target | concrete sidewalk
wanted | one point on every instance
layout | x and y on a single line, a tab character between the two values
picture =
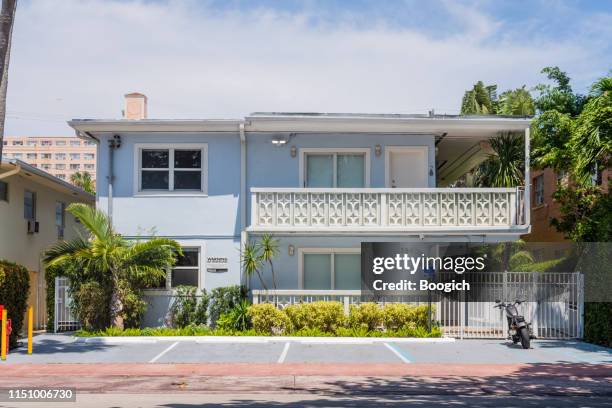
352	379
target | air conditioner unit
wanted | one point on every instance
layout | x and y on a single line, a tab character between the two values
32	226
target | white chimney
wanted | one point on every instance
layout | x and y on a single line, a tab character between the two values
135	106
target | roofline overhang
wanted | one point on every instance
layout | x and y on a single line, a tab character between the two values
348	123
59	183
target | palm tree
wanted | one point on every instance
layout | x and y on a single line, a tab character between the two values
105	252
505	167
7	17
251	262
517	102
269	250
480	100
84	181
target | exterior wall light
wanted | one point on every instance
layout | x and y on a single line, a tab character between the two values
378	150
279	141
293	151
291	250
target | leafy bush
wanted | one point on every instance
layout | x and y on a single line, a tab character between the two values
367	315
187	309
93	306
236	319
598	323
223	300
132	304
268	320
398	315
14	291
324	316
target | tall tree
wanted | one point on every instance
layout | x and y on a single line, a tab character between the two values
506	166
84	181
109	257
516	102
480	100
7	16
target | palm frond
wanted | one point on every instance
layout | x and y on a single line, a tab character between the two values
96	222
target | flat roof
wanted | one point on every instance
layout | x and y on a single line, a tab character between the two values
451	125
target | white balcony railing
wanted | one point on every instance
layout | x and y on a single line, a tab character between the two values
413	209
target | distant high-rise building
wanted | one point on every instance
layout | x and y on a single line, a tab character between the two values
59	156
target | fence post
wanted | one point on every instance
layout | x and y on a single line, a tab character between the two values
56	308
255	298
580	305
346	305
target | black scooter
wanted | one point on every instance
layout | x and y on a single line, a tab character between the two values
516	323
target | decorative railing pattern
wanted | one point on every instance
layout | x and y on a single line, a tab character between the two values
419	208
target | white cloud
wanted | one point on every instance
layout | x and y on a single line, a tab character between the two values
77	59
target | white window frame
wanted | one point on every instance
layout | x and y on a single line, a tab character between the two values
200	278
334	151
537	193
61	228
170	147
321	251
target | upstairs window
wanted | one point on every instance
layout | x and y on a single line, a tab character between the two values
17	142
75	156
538	183
60	156
31	156
75	143
335	169
60	143
176	169
88	156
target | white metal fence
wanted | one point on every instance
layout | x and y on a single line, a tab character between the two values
554	306
64	320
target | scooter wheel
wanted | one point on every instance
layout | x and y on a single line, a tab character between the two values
525	342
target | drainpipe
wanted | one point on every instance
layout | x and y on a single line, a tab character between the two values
113	144
10	173
243	195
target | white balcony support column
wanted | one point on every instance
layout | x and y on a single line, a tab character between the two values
527	198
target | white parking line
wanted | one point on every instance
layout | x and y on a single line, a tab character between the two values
160	355
283	355
397	353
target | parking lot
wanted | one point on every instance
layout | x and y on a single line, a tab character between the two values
68	349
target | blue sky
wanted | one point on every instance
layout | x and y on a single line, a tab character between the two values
228	58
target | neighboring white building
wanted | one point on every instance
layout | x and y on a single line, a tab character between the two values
32	217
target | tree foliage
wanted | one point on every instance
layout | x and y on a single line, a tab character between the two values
505	167
104	256
84	181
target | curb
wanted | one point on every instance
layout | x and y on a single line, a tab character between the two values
261	339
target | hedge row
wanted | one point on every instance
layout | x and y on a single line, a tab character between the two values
14	290
329	318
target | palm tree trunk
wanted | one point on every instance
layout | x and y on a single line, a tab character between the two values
6	31
116	305
273	274
263	283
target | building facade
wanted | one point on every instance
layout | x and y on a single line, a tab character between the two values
33	217
59	156
320	183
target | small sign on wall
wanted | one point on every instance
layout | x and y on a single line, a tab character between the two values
216	264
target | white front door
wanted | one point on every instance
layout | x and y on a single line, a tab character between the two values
407	167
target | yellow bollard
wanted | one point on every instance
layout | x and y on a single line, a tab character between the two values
3	342
30	328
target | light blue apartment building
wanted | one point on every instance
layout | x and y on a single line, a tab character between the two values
320	183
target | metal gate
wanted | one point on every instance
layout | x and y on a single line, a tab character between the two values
555	307
64	320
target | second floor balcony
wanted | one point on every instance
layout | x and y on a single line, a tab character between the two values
455	210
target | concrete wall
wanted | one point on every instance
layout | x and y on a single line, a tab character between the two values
16	245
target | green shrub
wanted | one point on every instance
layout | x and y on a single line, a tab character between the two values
366	315
236	319
598	323
132	306
14	291
93	306
189	309
268	320
355	331
398	315
325	316
223	300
